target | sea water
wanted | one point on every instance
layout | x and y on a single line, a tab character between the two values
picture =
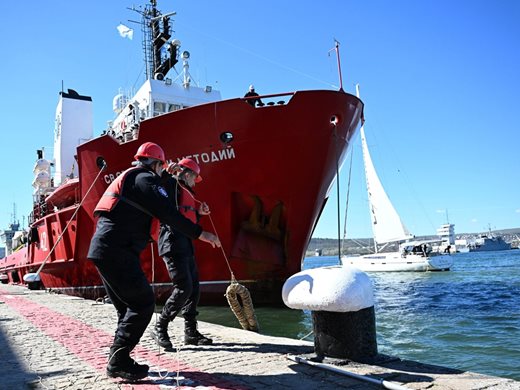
467	318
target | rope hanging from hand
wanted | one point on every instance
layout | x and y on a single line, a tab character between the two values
237	295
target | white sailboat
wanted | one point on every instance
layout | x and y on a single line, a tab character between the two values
387	228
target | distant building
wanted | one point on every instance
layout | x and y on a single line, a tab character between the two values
6	237
447	234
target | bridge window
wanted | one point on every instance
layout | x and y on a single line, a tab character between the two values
174	107
159	108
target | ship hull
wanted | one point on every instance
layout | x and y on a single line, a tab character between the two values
491	247
266	188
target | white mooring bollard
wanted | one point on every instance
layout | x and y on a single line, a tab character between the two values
342	303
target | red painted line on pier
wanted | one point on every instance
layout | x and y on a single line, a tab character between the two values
91	346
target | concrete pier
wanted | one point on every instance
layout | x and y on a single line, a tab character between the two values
50	341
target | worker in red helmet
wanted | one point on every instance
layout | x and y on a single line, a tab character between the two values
176	249
125	213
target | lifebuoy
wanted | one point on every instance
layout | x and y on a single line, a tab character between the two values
123	125
244	312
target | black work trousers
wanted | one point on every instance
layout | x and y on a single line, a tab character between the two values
131	295
186	292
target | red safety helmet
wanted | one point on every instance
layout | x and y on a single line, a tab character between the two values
150	150
192	166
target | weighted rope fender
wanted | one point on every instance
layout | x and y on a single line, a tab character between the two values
244	312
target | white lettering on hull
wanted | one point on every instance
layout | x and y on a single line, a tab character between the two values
43	241
111	177
223	154
206	158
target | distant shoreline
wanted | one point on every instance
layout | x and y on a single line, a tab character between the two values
329	246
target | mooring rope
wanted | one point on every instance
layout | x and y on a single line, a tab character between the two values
335	135
307	335
70	221
177	345
244	310
233	280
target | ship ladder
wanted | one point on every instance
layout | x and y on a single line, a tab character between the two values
237	295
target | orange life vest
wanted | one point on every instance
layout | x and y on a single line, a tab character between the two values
187	205
112	195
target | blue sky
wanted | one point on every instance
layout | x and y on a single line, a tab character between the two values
440	81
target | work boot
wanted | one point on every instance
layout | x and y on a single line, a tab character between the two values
139	367
160	333
121	365
193	337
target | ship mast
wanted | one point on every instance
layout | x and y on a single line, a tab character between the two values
15	225
160	54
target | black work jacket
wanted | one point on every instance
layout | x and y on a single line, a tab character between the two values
126	230
172	241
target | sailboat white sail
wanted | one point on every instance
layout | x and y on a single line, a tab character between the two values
387	227
386	223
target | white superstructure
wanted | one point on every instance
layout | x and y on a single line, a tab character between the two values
74	126
155	97
446	233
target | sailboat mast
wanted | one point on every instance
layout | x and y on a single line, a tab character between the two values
363	141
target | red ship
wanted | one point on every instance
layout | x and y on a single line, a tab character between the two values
267	172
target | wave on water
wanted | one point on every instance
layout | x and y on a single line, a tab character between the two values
467	318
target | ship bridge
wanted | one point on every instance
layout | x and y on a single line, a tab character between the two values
154	98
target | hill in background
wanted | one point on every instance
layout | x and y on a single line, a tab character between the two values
362	246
